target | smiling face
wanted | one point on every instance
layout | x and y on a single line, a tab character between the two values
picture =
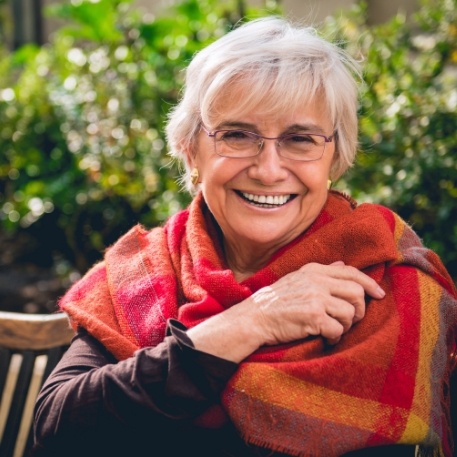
264	202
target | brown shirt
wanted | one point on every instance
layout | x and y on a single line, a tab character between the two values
93	405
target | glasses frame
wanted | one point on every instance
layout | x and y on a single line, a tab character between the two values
327	139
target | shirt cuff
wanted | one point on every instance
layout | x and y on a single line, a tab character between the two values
216	369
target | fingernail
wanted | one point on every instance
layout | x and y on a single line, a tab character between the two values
380	292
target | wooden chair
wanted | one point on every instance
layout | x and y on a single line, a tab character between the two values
30	347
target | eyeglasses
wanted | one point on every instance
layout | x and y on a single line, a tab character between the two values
240	144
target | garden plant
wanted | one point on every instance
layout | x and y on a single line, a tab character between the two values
82	149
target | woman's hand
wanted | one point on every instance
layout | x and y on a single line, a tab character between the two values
317	299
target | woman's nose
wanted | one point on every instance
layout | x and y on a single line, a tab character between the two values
268	166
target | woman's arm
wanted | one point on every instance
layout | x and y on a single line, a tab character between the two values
90	397
317	299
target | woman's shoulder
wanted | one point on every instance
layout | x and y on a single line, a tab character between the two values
354	203
345	205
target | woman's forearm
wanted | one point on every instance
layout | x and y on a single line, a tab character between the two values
90	391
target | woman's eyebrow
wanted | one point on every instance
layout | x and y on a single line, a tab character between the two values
309	127
238	125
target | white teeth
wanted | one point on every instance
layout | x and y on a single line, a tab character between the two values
267	199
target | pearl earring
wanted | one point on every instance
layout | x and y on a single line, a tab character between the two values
329	183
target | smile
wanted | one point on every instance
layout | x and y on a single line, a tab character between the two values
267	200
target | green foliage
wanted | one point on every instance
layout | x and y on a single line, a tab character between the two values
408	121
83	156
81	132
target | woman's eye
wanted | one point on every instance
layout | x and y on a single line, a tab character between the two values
235	135
299	139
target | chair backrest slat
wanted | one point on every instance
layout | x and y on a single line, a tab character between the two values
30	348
5	360
15	415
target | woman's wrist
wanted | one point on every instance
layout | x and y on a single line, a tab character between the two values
232	335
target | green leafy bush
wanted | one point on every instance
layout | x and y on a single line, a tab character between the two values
408	118
82	151
81	122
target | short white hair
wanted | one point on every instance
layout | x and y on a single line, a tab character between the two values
282	66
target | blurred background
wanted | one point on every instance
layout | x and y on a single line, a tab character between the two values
85	87
30	24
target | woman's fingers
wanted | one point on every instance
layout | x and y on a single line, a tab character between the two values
341	311
338	270
318	299
370	286
350	293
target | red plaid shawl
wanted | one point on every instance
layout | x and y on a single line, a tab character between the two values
382	384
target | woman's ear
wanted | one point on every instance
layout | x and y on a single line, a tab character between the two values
190	158
188	154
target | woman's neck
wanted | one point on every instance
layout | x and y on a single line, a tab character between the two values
245	260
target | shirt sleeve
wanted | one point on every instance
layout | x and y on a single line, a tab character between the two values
91	394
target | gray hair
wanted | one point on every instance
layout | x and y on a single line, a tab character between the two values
283	67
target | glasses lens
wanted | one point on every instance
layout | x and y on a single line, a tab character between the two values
295	146
236	143
302	147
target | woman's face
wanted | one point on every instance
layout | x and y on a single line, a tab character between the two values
232	187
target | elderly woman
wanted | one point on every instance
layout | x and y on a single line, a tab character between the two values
273	316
